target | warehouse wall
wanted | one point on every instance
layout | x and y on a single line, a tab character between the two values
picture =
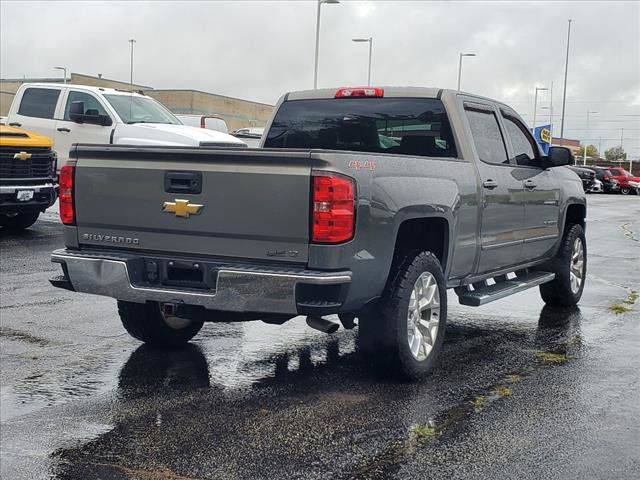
236	112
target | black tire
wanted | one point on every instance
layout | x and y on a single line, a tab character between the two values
19	221
383	334
145	322
625	190
558	293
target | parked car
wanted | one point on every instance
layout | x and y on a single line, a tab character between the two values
212	122
28	180
81	114
365	202
609	184
586	175
251	136
596	187
628	182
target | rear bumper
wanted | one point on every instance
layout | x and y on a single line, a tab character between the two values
238	288
44	195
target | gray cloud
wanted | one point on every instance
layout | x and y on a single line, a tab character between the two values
257	50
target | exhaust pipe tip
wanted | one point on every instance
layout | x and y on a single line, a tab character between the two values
322	324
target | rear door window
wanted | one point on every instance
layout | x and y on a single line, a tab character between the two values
403	126
39	102
487	136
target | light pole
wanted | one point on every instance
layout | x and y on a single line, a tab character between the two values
566	70
535	103
370	41
584	156
460	65
315	71
131	41
64	69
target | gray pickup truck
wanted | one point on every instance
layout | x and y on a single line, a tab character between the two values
368	203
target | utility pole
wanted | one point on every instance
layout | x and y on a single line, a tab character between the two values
315	70
535	104
600	146
566	70
586	141
132	41
460	65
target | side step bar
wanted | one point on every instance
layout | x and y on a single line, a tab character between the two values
484	293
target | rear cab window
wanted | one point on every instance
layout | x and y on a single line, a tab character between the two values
39	102
398	126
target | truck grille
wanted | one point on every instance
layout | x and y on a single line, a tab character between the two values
42	163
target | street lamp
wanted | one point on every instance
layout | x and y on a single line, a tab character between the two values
460	65
131	41
315	71
535	103
566	71
370	41
584	156
64	69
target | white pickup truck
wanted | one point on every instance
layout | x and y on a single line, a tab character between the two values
71	114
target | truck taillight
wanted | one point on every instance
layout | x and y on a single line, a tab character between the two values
67	213
333	209
359	92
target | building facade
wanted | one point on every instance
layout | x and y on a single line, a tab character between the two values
238	113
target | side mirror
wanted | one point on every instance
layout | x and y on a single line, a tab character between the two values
76	111
78	114
558	156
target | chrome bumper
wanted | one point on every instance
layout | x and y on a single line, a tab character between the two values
237	290
35	188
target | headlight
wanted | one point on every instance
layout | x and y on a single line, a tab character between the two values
613	180
634	184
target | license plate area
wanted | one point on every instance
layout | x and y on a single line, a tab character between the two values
184	273
166	272
24	195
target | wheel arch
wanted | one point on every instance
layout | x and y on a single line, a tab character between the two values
424	233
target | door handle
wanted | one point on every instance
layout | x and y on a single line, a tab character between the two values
15	124
64	129
490	184
529	185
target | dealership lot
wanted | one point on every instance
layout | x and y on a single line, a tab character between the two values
511	397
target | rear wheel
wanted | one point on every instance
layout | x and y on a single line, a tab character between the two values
146	322
570	267
625	190
18	221
407	331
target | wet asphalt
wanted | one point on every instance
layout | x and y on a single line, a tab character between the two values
521	390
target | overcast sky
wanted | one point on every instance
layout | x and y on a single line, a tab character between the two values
258	50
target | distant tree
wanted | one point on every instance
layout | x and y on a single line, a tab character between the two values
615	154
592	151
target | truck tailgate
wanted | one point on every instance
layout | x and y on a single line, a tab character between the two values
254	204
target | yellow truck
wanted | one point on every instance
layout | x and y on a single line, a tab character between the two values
28	178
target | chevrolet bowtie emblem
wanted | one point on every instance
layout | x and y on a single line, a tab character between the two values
22	156
182	208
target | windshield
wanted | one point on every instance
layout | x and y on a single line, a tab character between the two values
136	109
404	126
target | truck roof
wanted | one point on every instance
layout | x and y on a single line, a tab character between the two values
389	91
98	90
